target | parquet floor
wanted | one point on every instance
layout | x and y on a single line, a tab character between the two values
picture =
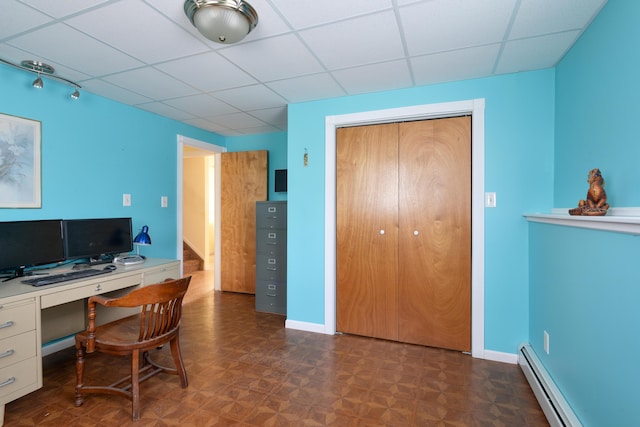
246	369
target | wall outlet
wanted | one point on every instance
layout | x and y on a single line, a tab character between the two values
546	342
126	200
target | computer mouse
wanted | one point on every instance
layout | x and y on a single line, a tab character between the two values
110	267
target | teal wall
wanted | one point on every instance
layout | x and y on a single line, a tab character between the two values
597	109
519	117
94	150
275	143
583	283
585	294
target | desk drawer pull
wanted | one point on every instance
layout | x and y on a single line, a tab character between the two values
7	324
98	288
8	382
7	353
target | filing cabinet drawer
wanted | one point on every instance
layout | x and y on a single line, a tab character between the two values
270	267
18	377
271	297
271	215
17	348
17	318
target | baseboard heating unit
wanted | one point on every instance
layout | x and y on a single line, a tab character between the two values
552	402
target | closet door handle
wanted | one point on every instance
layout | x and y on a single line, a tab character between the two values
382	231
416	232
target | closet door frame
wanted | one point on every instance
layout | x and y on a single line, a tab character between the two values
475	108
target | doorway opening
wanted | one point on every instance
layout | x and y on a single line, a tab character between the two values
198	225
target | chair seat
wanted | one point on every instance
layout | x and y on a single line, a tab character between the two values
121	336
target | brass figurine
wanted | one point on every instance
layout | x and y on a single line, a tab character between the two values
596	203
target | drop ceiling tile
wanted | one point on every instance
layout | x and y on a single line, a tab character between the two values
208	125
375	77
351	43
535	52
248	98
273	58
207	72
201	105
139	30
151	83
59	9
237	120
308	13
17	17
437	26
307	88
107	90
165	110
455	65
274	116
536	17
87	54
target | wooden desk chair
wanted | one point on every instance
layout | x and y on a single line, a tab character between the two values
158	323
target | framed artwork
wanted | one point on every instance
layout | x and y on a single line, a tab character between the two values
20	163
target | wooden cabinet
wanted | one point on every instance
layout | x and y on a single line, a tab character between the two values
271	257
404	232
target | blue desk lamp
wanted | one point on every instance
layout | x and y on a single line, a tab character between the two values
141	239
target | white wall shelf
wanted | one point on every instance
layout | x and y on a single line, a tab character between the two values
619	220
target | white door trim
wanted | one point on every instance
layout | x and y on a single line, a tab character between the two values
475	107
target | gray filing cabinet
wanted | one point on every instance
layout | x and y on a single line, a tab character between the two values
271	257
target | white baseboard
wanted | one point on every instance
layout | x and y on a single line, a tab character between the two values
305	326
498	356
58	345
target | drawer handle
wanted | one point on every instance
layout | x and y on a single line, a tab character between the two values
272	269
7	324
8	382
98	288
7	353
270	295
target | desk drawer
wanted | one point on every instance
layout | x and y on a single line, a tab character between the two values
17	318
157	276
17	348
89	290
19	376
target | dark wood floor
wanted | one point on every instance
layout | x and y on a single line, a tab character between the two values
246	369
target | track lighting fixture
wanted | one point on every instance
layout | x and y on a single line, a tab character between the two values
42	70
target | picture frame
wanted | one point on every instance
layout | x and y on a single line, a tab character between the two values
20	162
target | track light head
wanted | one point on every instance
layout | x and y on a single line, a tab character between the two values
75	94
37	83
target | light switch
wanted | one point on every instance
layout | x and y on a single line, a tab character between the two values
126	200
164	201
490	200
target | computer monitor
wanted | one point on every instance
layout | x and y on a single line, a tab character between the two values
98	239
30	243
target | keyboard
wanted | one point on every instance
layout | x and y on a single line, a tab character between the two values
64	277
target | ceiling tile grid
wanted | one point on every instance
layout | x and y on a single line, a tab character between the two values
146	53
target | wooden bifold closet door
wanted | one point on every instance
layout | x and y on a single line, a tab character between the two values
403	222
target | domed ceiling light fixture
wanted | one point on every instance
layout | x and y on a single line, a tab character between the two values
222	21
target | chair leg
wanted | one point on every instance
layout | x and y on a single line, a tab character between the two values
79	373
135	385
177	359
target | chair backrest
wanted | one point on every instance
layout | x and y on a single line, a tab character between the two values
161	308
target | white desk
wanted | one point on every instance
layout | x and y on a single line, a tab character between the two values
21	326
